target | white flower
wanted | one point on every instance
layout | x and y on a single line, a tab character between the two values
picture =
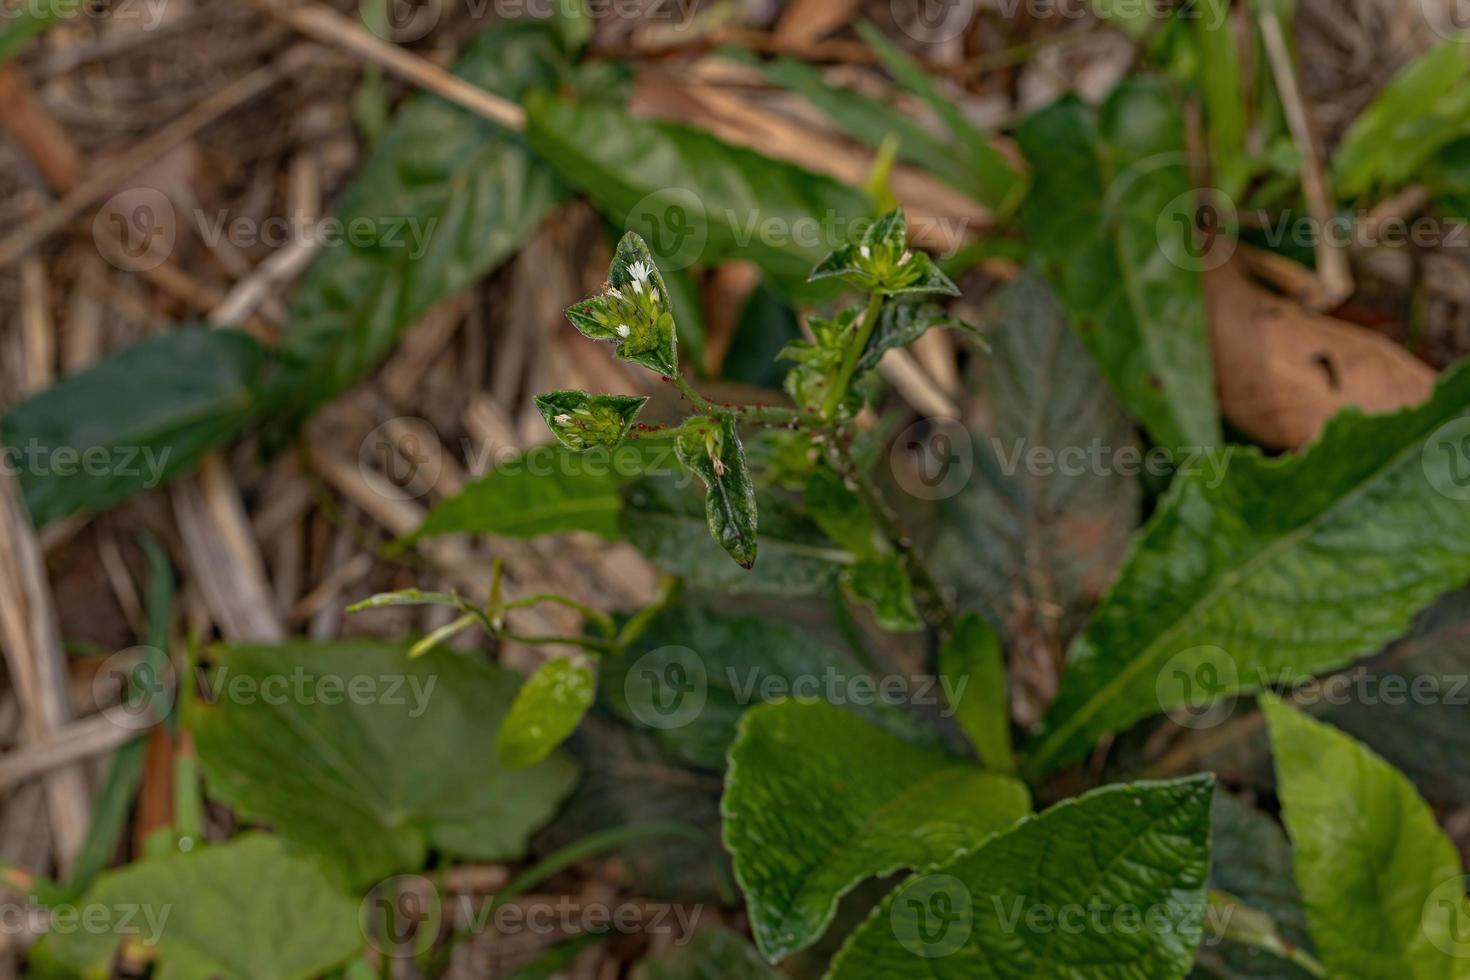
613	292
640	271
623	330
563	419
638	286
904	259
865	252
719	465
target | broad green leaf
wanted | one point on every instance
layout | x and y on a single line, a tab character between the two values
1111	217
447	197
900	324
839	511
714	452
1423	110
882	584
879	259
694	671
994	182
550	490
818	800
1382	883
664	518
1104	886
1261	576
133	421
249	909
693	196
546	710
972	656
713	954
1031	525
328	743
583	421
635	311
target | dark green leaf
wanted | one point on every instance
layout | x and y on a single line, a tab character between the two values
818	800
713	954
1259	577
327	742
839	511
1109	186
250	909
546	710
583	421
900	324
693	196
879	259
714	452
133	421
1026	903
635	311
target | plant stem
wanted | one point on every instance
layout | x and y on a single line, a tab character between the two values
700	403
751	414
603	621
853	355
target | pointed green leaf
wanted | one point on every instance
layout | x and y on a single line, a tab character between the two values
351	724
249	909
635	310
973	663
547	709
818	800
582	421
1105	886
714	452
880	259
900	324
882	584
1280	569
1102	219
1381	882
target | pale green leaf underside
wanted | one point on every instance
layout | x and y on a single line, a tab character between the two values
546	711
1289	567
818	800
999	913
350	779
250	909
1370	859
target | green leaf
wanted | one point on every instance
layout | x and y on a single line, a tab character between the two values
582	421
1109	187
1260	577
1382	883
839	511
550	490
694	197
972	661
714	452
1219	81
447	196
666	521
882	584
1028	541
900	324
879	259
713	954
1019	905
24	22
249	909
635	311
994	182
1424	109
819	361
817	800
546	710
695	671
133	421
327	742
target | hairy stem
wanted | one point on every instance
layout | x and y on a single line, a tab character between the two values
853	355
